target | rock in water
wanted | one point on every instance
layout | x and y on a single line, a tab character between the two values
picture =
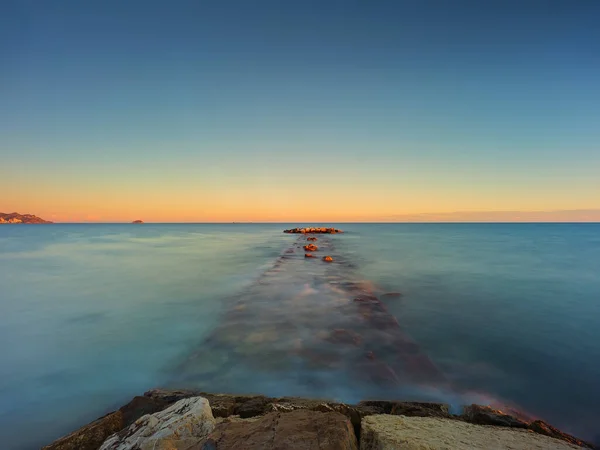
311	248
327	259
299	429
310	230
138	221
309	255
184	424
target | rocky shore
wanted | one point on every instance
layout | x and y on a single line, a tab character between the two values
189	420
20	218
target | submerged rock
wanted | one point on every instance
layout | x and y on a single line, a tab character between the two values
309	255
390	295
314	239
341	336
327	259
184	424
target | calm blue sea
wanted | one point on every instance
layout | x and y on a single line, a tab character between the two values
91	315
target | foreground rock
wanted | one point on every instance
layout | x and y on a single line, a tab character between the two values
387	432
184	420
183	425
299	429
541	427
484	415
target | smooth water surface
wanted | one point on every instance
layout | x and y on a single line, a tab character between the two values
92	315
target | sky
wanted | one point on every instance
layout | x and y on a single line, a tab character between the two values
222	110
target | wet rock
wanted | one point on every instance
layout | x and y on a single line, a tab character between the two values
284	407
311	248
221	405
91	436
387	432
140	406
309	255
418	409
299	429
541	427
254	406
184	424
410	409
327	258
170	395
312	239
485	415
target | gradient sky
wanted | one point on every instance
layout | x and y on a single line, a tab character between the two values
115	110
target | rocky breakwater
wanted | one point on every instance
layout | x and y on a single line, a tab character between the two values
192	420
309	329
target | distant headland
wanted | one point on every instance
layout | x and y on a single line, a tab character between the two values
20	218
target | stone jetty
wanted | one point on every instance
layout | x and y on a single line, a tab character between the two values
306	328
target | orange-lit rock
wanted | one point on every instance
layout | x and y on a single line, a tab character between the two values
311	248
327	258
308	230
309	255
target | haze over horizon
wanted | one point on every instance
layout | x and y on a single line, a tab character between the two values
281	111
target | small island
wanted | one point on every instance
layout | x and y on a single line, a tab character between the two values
20	218
138	221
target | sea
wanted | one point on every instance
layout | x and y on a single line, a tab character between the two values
94	314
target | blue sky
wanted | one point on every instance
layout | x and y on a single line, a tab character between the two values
404	107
